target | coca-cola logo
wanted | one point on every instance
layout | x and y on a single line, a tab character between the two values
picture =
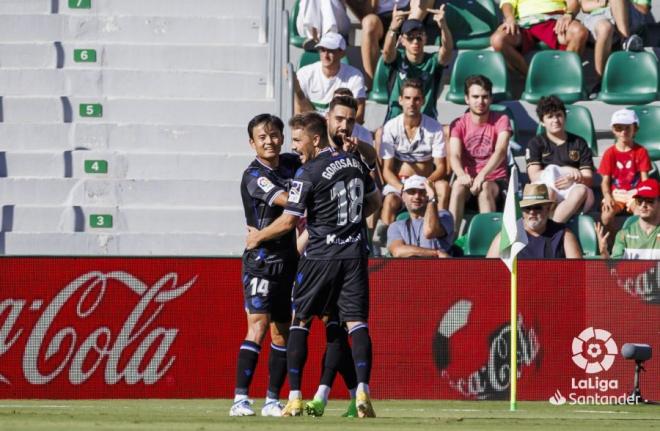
137	352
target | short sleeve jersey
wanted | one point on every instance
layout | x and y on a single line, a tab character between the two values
411	232
625	167
574	152
260	186
633	243
428	142
429	71
331	188
320	89
479	142
525	8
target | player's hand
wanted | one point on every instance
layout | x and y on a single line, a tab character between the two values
602	234
252	240
561	25
464	180
398	17
350	144
510	26
438	15
477	184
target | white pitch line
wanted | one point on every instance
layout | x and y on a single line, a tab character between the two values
602	411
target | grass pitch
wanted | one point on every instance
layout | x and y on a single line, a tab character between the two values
392	415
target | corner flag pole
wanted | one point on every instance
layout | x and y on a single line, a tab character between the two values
514	335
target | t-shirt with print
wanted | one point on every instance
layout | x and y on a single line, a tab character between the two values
428	142
574	152
479	141
429	71
411	232
633	243
320	89
625	167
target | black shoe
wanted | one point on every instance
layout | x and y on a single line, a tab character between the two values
593	93
633	43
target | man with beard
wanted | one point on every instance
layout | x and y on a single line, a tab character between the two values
341	118
641	239
477	151
336	191
545	238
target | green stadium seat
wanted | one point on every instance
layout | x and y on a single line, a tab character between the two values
309	57
555	72
379	90
583	227
471	22
480	233
630	220
630	77
487	63
579	122
648	134
295	39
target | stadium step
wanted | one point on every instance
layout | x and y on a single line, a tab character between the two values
133	83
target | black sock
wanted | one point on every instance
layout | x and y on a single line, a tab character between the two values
347	366
248	355
296	355
333	353
276	370
361	347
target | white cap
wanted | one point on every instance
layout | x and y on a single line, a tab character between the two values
624	116
332	41
414	182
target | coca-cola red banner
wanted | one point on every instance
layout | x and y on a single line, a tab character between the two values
171	327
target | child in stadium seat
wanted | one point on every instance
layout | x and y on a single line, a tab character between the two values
622	167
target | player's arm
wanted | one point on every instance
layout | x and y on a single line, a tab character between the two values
446	39
572	248
400	249
280	199
283	224
372	202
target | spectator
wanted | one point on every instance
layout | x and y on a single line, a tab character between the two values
545	238
412	144
641	239
428	231
316	83
561	160
527	22
413	62
318	17
622	167
359	131
478	146
378	20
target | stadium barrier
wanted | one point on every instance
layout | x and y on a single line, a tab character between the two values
170	328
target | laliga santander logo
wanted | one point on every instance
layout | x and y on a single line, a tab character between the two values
594	350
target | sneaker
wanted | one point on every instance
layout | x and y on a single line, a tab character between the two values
293	408
242	408
364	407
633	43
315	408
352	410
273	408
309	44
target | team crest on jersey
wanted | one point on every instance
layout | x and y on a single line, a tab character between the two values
295	191
265	184
574	155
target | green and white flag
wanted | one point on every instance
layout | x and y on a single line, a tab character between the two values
513	237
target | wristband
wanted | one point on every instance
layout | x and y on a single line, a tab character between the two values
434	200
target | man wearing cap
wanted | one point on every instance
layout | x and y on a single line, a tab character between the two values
316	83
641	239
428	232
622	167
545	238
412	61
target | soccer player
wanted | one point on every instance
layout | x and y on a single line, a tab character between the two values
337	192
268	270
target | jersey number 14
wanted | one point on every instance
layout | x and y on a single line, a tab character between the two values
349	205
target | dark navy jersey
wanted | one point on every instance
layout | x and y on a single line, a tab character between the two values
331	188
259	188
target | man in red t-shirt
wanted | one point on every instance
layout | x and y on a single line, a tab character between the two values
623	165
477	151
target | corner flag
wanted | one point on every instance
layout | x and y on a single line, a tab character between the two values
513	237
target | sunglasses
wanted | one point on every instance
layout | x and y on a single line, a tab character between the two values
533	208
621	127
648	201
417	37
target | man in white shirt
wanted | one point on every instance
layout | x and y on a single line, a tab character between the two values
316	83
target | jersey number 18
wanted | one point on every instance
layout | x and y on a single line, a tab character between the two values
349	205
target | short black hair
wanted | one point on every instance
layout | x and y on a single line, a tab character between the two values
412	83
480	80
270	119
342	91
312	123
347	101
549	105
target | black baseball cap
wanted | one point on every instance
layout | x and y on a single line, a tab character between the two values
411	25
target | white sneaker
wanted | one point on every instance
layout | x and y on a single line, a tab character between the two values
273	408
242	408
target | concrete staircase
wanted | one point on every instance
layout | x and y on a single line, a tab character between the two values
122	124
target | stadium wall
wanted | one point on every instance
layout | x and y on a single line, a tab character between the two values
170	328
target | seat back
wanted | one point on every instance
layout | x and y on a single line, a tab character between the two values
648	134
630	77
579	122
483	228
584	229
488	63
555	72
471	22
295	39
379	90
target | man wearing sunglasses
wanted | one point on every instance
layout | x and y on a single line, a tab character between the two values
641	239
545	238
